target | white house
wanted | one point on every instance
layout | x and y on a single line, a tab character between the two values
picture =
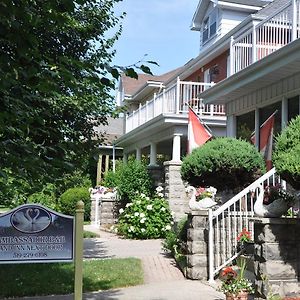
156	121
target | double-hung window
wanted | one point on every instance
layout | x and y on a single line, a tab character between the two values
209	27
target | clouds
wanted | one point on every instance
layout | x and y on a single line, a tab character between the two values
159	28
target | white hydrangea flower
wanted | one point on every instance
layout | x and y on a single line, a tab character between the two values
143	230
136	214
121	210
161	195
149	207
142	215
143	220
168	227
163	209
128	204
132	228
147	198
159	189
143	195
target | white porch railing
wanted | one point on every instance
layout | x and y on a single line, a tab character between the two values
226	222
276	31
175	100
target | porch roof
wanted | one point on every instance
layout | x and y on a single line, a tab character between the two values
272	68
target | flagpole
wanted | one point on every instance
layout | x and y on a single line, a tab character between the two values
275	112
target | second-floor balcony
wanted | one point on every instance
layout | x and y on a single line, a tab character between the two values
274	32
174	100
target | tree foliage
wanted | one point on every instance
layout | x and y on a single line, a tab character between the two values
54	67
53	88
286	157
225	163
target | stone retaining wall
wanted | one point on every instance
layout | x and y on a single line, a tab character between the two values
175	190
277	256
107	210
197	245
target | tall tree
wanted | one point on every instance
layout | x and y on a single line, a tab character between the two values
54	60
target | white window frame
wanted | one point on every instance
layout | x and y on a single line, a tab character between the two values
208	23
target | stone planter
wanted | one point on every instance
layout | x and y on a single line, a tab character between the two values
243	295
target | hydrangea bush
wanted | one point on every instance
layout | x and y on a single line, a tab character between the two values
145	217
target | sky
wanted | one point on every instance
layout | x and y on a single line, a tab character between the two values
159	28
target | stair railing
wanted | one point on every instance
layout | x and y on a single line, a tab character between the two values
226	222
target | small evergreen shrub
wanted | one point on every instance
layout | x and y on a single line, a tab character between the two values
224	163
145	218
133	177
286	156
68	201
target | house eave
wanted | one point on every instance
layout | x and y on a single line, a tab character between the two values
272	68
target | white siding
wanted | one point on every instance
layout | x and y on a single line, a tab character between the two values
288	87
230	19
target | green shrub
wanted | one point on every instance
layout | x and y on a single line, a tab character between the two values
176	239
46	197
133	177
111	179
76	179
69	199
145	218
224	163
286	156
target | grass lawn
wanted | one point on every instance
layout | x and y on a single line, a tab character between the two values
3	209
58	278
89	234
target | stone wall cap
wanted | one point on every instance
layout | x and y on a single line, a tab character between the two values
203	212
275	220
173	163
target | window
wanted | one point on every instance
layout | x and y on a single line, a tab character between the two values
209	27
245	125
293	107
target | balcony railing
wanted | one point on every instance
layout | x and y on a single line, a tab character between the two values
174	100
271	34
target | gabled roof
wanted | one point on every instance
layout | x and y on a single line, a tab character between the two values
271	8
249	2
247	5
132	86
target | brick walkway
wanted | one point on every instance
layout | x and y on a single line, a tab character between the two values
157	265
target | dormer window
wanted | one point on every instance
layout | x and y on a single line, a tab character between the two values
209	27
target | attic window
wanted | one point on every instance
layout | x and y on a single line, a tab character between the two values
209	27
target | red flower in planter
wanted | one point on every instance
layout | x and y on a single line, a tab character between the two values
244	236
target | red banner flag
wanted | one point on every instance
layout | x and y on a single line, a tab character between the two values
197	133
266	140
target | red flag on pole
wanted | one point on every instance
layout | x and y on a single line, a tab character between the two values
197	133
266	140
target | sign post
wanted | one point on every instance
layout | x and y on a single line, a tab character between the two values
78	250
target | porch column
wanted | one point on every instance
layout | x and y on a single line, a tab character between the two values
284	112
153	154
257	127
138	155
231	126
99	169
125	157
106	164
176	147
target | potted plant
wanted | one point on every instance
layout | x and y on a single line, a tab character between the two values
234	285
